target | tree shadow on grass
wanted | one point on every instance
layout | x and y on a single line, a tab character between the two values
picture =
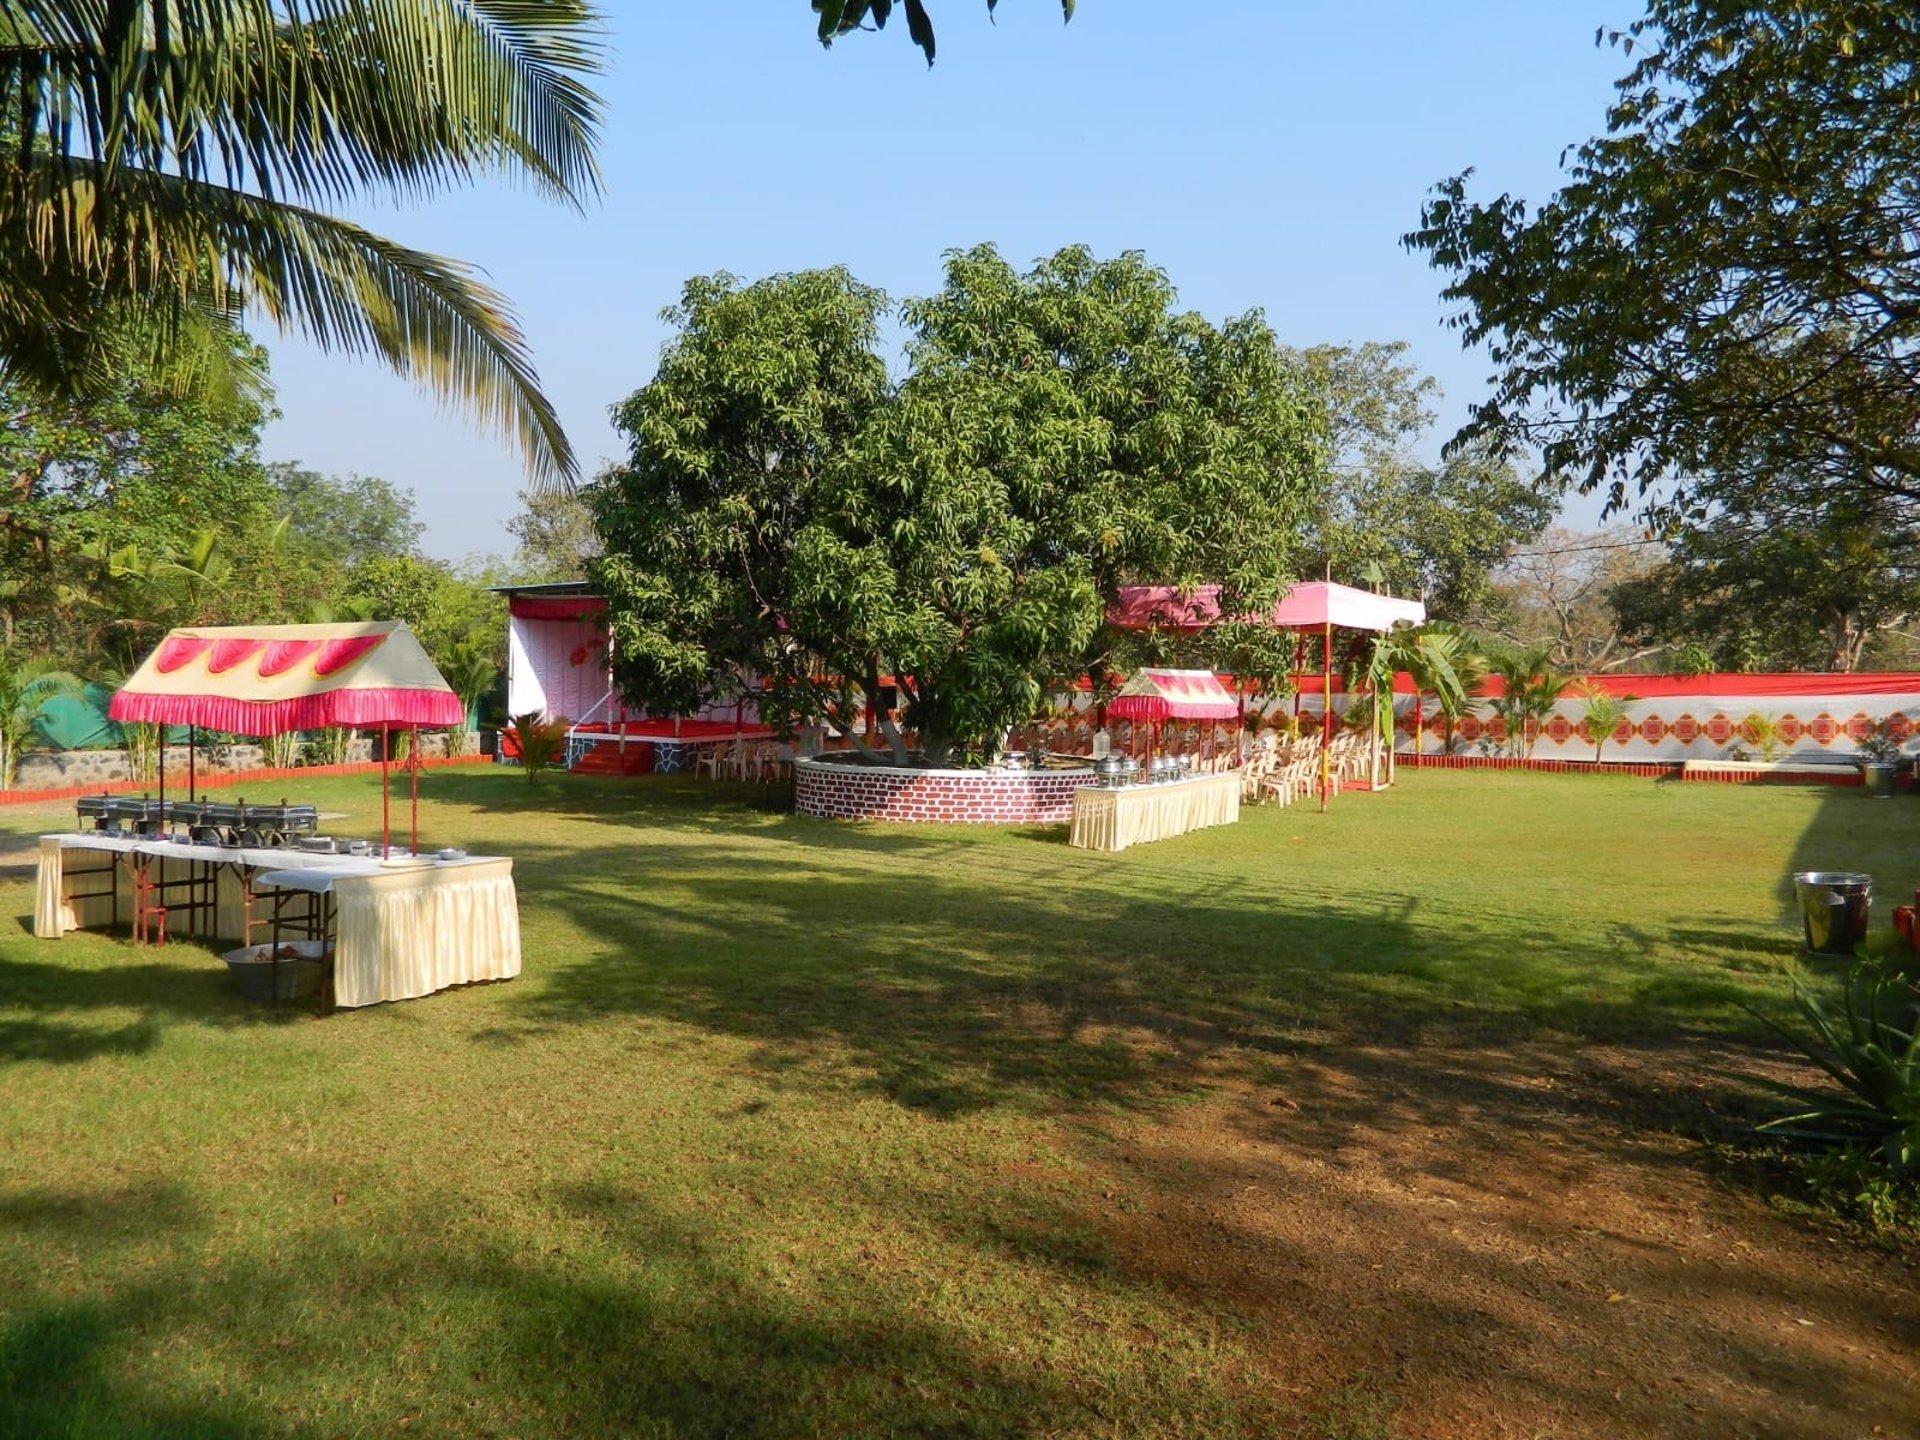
52	998
957	986
662	1333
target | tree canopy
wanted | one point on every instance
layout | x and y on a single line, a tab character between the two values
839	17
1778	584
170	163
789	514
348	519
1726	286
1436	532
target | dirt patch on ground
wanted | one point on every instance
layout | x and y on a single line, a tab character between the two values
1513	1244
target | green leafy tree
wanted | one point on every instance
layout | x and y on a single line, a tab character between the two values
441	607
131	464
1726	285
788	514
556	537
839	17
170	163
346	519
1435	532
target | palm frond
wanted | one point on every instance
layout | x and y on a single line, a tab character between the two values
165	162
338	285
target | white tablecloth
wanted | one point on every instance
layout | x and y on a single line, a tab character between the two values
1106	819
55	911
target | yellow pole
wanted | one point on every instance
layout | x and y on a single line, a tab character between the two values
1326	715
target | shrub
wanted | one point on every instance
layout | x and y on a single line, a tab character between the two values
1871	1050
541	742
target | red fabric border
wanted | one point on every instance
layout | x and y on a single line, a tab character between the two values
541	607
371	709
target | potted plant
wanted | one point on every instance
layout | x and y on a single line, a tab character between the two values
1880	761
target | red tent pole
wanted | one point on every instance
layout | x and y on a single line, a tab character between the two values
413	768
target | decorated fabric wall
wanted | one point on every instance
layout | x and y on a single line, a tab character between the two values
558	667
1686	717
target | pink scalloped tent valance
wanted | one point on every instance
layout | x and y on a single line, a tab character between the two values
1151	694
269	679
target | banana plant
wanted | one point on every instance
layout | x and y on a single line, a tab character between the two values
25	688
1428	656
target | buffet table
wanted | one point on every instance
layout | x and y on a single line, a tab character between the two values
1113	819
400	931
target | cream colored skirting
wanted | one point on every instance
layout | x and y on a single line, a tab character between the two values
55	911
417	931
1114	819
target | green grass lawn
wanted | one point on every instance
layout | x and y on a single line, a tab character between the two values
787	1128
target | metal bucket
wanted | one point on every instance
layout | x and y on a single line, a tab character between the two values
1878	779
1835	906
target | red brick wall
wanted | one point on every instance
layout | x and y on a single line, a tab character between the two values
948	797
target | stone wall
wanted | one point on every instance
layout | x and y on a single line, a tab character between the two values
830	791
64	769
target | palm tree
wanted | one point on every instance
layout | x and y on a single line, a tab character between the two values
168	164
1602	711
1532	684
25	688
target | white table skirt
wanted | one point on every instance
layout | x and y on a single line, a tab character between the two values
407	933
1112	820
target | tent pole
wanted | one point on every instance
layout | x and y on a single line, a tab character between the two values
193	732
1373	730
413	769
386	823
1326	714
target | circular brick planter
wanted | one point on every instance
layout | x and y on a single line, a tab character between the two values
830	790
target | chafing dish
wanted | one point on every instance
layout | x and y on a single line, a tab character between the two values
206	821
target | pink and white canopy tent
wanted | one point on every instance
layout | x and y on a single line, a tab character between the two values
271	679
1158	695
1314	605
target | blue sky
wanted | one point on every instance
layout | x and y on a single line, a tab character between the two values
1264	153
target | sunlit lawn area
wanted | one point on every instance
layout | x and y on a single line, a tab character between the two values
791	1129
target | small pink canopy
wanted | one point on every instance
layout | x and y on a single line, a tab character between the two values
1311	605
1173	695
269	679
